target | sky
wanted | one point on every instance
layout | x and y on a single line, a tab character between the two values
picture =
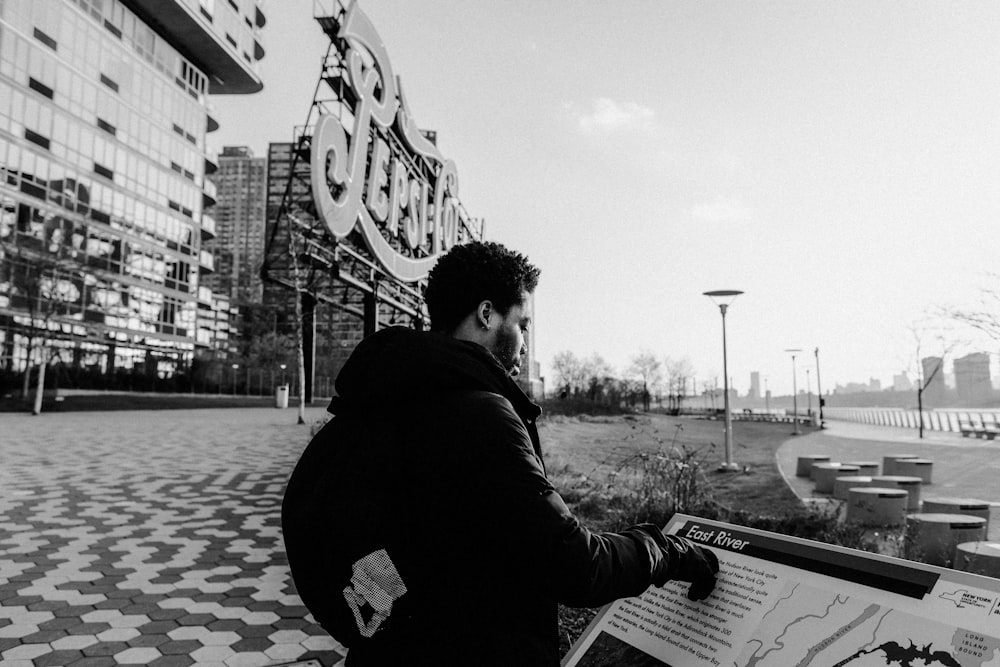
839	163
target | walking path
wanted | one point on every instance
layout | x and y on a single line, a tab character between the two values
150	538
963	467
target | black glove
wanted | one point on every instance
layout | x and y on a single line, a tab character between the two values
690	562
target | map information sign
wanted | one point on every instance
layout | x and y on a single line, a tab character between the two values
787	602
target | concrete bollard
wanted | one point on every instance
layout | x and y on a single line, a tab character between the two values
842	485
803	467
825	473
865	467
873	506
915	468
909	484
889	462
970	506
933	538
978	558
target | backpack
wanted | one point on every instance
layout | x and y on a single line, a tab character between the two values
336	523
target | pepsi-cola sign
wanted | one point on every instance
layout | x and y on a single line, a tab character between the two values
403	194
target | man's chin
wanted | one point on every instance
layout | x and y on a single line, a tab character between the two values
514	371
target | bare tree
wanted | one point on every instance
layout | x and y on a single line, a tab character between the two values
646	367
300	281
49	286
986	316
679	373
920	331
597	373
569	371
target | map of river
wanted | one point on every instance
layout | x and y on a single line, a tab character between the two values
808	626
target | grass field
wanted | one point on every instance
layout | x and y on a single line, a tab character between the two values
587	456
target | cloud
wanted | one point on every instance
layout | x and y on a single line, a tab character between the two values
608	116
722	211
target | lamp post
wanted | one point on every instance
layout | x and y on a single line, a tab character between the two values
283	367
809	395
795	391
819	391
767	397
236	367
723	298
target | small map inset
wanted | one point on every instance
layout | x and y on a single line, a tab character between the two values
810	626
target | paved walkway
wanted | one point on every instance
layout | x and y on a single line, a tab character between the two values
150	538
963	467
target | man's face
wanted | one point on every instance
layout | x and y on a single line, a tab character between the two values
507	343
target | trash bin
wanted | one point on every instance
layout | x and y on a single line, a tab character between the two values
281	396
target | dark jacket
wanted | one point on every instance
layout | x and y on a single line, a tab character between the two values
433	456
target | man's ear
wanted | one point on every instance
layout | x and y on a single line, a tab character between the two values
483	312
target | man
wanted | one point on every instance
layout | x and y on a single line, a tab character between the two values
419	523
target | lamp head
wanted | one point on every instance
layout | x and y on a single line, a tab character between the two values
723	298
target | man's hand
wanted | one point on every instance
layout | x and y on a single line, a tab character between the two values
690	562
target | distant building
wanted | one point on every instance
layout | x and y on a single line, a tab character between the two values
902	382
972	378
104	115
932	378
238	248
754	385
874	384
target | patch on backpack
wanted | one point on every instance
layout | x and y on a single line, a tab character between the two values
375	585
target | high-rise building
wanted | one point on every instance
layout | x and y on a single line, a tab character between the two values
754	385
104	114
239	212
932	379
972	379
902	382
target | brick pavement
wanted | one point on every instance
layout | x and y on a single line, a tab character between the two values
150	538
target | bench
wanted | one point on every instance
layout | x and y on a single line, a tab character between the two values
988	431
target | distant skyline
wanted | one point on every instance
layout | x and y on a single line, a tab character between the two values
837	162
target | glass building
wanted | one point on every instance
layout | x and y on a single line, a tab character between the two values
104	114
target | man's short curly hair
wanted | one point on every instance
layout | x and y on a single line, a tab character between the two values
471	273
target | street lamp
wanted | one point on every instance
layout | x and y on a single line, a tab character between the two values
236	367
809	395
723	298
819	391
795	391
282	367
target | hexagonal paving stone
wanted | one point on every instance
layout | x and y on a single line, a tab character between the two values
57	658
288	637
285	651
105	649
118	635
137	656
212	654
255	659
188	632
179	647
220	638
74	642
260	618
25	652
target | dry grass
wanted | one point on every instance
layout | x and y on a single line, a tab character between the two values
588	459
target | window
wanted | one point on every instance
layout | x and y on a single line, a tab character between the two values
45	39
104	171
109	83
107	127
36	138
39	87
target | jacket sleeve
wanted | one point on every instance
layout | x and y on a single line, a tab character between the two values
581	568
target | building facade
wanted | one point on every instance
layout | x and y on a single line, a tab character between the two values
972	379
104	114
932	379
240	214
